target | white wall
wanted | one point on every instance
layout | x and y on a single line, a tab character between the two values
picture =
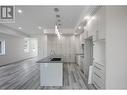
42	45
14	47
64	46
116	47
99	52
77	45
14	50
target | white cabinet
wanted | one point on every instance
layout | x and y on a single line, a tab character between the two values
98	76
100	32
99	64
78	60
92	26
96	27
51	74
82	37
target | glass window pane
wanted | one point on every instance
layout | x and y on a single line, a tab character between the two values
0	47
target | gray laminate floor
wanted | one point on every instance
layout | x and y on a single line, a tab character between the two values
26	75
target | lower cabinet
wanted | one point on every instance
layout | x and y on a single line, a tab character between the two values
99	64
98	76
51	74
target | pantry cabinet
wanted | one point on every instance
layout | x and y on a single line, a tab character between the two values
94	50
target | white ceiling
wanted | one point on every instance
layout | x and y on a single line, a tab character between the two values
44	16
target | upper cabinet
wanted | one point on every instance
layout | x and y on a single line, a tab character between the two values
82	37
96	25
92	26
100	33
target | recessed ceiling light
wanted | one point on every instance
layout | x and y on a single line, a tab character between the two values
19	11
20	28
79	27
39	27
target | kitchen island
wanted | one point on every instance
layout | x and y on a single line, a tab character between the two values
51	71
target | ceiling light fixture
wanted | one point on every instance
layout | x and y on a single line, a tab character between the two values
57	32
57	25
20	28
19	11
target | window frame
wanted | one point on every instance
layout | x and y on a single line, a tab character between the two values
26	45
2	47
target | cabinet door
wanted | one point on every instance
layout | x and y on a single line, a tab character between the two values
51	74
101	23
99	64
92	27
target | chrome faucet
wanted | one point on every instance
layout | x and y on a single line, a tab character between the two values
52	52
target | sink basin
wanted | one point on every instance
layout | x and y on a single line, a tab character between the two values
55	59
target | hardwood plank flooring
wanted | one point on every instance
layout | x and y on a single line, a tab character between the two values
26	75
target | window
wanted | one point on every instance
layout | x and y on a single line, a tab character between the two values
34	44
26	45
2	47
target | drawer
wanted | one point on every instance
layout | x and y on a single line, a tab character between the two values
97	86
99	69
98	82
99	66
99	73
